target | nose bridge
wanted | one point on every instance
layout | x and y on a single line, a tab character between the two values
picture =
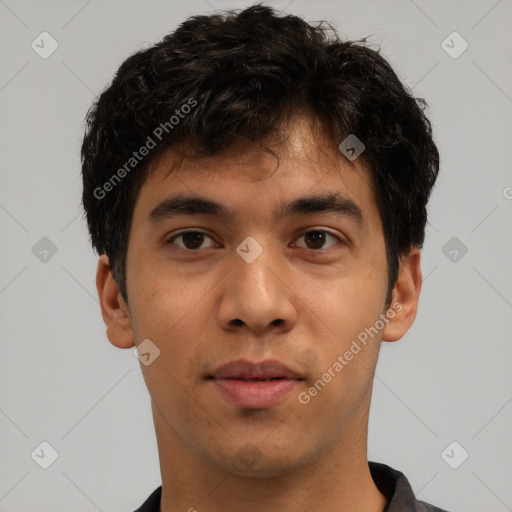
256	296
253	269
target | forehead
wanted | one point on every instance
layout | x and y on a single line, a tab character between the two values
249	177
302	139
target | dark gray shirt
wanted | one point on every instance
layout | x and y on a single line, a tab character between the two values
393	484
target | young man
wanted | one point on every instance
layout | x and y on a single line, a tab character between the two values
257	191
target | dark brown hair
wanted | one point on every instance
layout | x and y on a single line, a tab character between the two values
238	75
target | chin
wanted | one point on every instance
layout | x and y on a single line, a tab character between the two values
261	463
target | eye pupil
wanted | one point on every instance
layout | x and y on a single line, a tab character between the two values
318	238
193	238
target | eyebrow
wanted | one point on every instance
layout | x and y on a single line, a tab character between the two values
305	205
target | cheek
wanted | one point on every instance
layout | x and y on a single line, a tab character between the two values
176	313
346	302
173	315
160	299
346	311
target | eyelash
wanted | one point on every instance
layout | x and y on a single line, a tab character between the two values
171	240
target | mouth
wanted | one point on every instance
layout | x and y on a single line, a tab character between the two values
254	385
254	380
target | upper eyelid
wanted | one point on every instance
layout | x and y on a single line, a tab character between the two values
189	231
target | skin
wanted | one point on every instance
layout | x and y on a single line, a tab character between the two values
207	307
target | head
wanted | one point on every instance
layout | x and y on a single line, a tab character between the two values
248	110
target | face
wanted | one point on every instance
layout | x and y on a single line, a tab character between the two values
277	279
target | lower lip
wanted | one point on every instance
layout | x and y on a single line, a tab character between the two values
255	394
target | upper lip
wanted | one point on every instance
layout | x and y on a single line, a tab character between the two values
264	370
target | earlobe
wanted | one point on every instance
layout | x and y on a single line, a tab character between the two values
113	308
404	303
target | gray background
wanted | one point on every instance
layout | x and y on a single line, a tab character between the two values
61	380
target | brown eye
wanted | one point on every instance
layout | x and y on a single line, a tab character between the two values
190	240
315	239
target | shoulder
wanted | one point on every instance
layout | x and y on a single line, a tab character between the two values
152	503
421	506
397	489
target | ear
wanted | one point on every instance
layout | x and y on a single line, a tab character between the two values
113	308
405	297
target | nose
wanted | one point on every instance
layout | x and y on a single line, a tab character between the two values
255	296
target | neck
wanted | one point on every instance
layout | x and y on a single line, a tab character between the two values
337	479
